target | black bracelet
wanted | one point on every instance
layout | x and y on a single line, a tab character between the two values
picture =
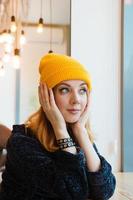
65	143
64	140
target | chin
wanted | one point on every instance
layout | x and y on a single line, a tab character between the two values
71	121
71	118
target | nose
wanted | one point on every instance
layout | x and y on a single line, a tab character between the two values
75	99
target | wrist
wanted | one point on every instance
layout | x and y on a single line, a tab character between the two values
66	143
83	138
78	128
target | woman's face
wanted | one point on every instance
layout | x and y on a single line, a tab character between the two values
71	98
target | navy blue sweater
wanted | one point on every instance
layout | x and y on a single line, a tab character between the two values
32	173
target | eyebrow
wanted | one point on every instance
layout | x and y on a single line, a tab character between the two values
70	85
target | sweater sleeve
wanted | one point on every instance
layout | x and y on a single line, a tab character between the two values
102	183
39	175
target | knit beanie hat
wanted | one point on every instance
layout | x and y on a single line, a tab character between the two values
55	68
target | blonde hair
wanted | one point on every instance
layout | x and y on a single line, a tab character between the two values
43	130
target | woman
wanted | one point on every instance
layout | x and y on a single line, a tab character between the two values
53	155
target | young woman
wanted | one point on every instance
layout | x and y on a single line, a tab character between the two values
53	155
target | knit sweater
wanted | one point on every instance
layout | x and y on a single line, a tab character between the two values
33	173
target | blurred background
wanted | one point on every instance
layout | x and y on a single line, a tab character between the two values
99	34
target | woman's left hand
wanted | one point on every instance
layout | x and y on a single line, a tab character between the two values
84	116
79	128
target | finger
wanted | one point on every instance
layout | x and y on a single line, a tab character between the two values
51	97
39	95
44	95
88	100
86	110
40	98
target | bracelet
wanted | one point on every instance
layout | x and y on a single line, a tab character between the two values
66	145
65	142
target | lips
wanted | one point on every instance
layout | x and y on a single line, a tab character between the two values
73	111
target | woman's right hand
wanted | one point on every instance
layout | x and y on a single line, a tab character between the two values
47	101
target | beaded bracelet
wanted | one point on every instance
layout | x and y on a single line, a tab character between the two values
65	142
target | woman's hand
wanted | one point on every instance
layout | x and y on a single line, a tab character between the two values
83	118
79	128
47	101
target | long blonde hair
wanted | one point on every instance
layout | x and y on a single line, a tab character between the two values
43	130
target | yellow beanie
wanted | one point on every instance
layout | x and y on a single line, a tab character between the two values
55	68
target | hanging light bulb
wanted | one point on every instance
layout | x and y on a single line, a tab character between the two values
50	51
4	36
40	23
10	37
40	26
51	32
22	38
2	70
13	26
16	59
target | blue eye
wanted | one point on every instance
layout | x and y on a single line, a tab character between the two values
64	90
83	91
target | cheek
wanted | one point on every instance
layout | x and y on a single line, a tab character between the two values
84	102
60	102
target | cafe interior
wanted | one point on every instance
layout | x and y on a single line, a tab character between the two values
100	35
